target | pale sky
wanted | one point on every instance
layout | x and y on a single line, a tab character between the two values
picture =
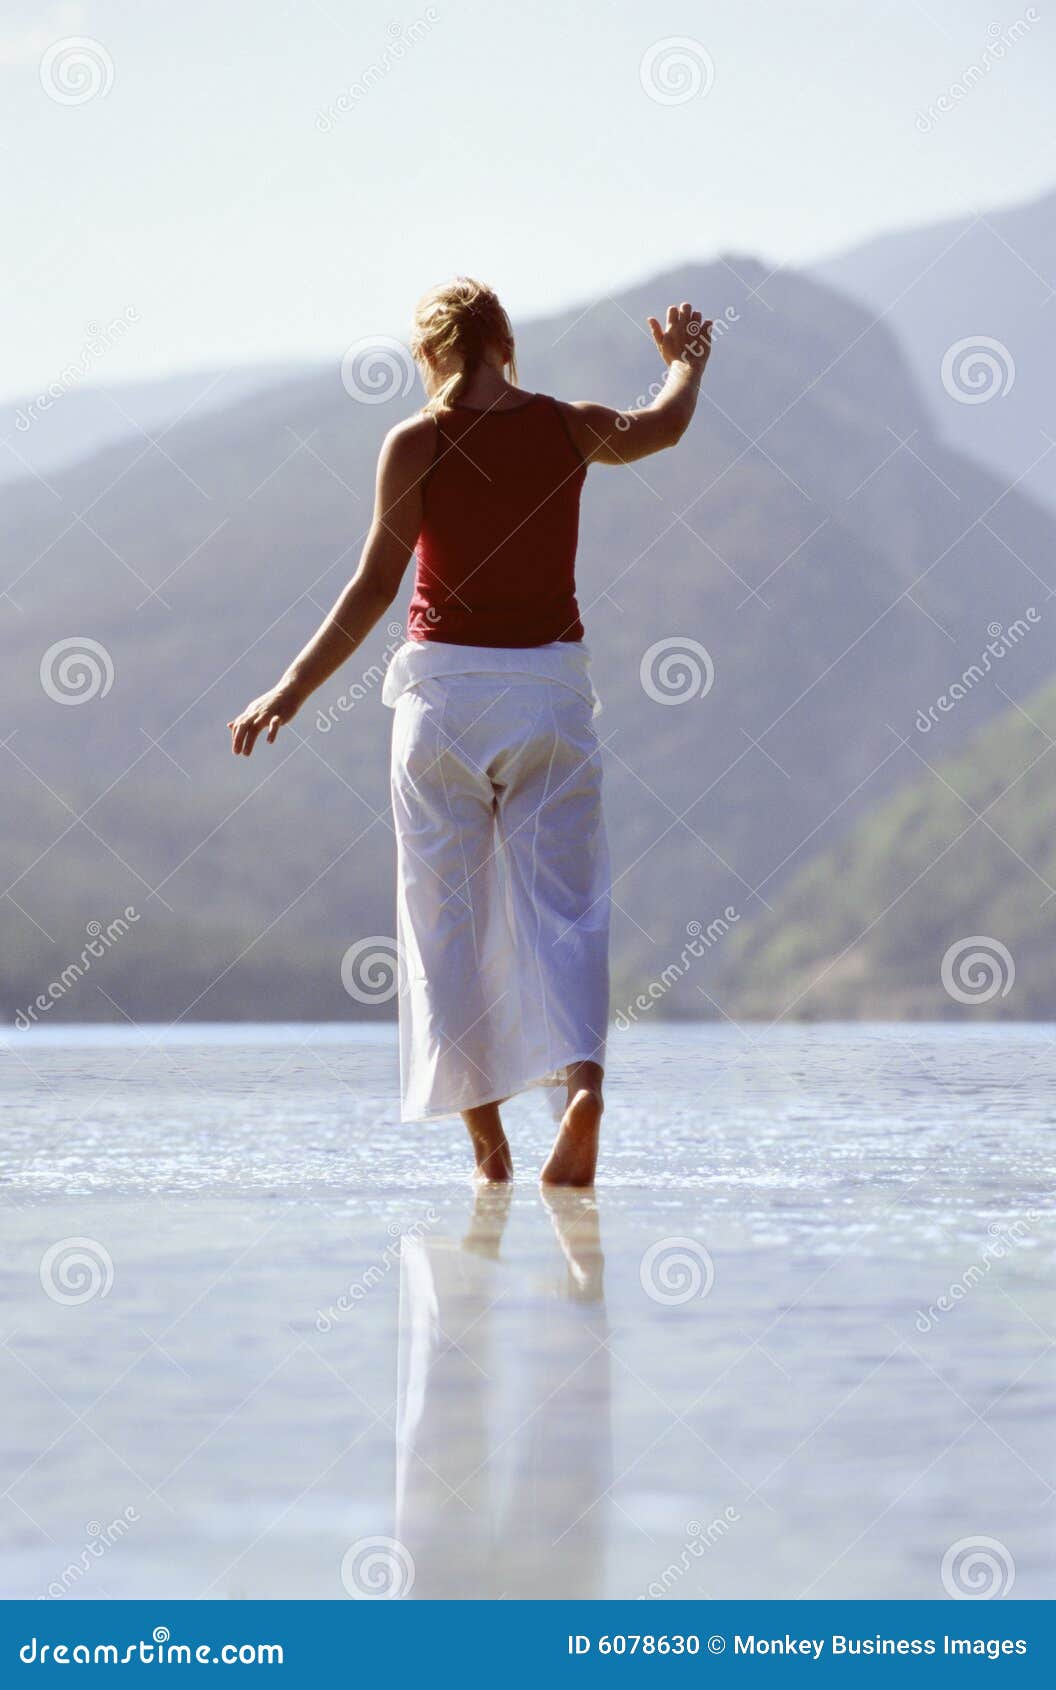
198	189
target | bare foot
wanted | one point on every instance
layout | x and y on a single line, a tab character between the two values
491	1150
494	1166
574	1158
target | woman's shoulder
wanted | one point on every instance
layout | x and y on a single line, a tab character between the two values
415	429
412	437
410	447
576	422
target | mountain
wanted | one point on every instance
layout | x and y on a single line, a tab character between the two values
971	301
69	419
838	564
939	904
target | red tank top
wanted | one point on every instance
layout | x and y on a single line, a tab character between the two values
497	550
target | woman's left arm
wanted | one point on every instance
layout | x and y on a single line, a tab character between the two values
405	459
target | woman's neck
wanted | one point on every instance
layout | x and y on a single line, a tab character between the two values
486	387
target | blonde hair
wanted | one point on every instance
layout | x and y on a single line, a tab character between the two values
461	319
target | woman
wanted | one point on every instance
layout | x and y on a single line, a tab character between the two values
503	892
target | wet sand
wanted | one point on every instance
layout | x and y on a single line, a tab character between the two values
258	1340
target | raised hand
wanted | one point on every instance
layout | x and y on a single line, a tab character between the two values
686	339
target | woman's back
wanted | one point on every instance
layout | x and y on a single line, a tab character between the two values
500	521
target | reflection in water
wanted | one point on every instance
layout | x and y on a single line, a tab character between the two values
504	1446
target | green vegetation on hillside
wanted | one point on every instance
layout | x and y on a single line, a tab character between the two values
966	849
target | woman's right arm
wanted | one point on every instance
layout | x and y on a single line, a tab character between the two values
606	436
405	460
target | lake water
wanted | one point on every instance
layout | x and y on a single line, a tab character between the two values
260	1340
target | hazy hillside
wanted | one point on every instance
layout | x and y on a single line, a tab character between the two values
974	280
839	566
966	852
73	416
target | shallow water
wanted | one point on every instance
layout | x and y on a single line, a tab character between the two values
800	1344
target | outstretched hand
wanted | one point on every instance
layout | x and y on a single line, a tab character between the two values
266	715
686	339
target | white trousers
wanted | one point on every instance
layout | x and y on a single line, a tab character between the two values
503	889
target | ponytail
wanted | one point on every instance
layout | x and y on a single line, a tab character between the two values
460	320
